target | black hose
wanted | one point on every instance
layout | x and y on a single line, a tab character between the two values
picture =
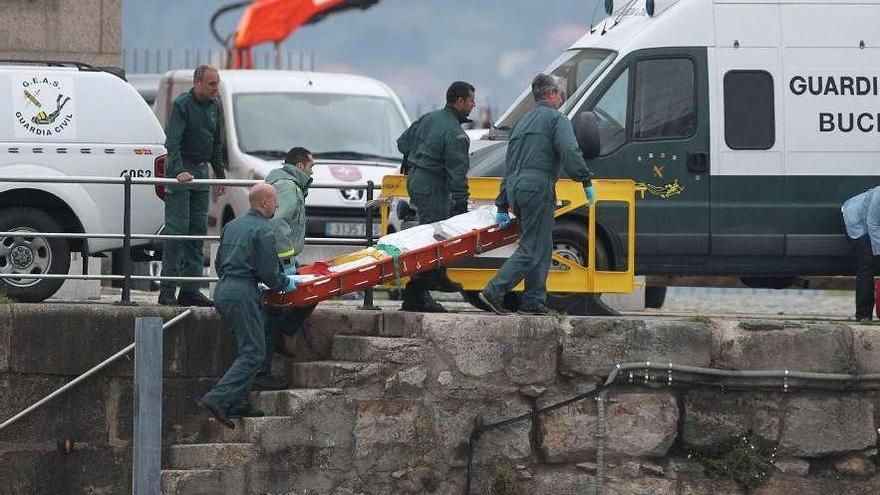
480	428
219	12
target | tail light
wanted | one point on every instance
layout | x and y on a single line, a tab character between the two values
159	173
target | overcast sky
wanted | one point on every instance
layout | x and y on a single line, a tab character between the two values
416	46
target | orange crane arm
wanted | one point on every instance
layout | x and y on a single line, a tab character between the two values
274	20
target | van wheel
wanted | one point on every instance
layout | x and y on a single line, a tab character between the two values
655	297
26	254
569	241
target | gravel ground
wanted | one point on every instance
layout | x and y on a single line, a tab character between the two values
754	302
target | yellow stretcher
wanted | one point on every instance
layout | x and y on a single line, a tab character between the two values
570	196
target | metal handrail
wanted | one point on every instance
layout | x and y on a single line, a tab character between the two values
154	181
98	367
127	236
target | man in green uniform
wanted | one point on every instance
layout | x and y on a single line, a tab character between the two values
246	256
542	146
192	139
291	182
436	162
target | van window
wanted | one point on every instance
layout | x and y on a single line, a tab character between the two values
749	121
577	69
323	123
611	112
664	106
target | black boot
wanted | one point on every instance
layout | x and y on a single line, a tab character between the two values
245	411
167	298
194	298
218	413
416	298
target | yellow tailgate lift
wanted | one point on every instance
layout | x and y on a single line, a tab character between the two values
569	196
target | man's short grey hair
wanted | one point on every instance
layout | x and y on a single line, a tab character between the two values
199	73
545	83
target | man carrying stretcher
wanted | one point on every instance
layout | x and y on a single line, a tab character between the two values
436	162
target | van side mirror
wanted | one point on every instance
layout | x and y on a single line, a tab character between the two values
586	131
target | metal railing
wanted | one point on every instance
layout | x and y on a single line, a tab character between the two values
98	367
127	236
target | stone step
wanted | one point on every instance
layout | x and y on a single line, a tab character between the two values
211	455
336	374
391	350
247	430
192	482
315	341
308	418
294	402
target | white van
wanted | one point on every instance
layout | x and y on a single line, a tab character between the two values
70	119
350	123
749	122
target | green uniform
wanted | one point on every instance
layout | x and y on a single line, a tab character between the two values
289	224
436	151
542	146
245	257
192	140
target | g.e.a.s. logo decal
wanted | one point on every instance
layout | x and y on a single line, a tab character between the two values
44	107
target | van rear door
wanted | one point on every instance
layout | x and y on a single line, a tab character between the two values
653	122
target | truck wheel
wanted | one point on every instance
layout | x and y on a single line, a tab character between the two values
655	297
24	254
569	241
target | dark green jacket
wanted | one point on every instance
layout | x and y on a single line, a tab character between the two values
247	251
289	222
543	143
193	135
437	143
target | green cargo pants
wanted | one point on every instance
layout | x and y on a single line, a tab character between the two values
186	213
533	200
429	194
239	302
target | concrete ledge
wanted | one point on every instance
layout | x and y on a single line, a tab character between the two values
593	346
815	348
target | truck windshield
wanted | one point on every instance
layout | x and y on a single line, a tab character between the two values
577	68
323	123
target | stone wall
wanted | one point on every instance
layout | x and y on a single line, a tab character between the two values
389	402
88	31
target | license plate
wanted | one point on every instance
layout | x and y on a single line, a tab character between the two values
341	229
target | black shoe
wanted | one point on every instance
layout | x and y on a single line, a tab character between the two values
496	305
536	309
431	306
246	411
166	299
268	382
218	414
420	301
194	299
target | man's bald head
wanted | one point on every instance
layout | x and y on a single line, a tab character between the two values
264	199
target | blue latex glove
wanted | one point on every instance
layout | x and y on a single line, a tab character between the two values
590	191
290	269
502	219
290	286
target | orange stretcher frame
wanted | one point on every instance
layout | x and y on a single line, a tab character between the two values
381	271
